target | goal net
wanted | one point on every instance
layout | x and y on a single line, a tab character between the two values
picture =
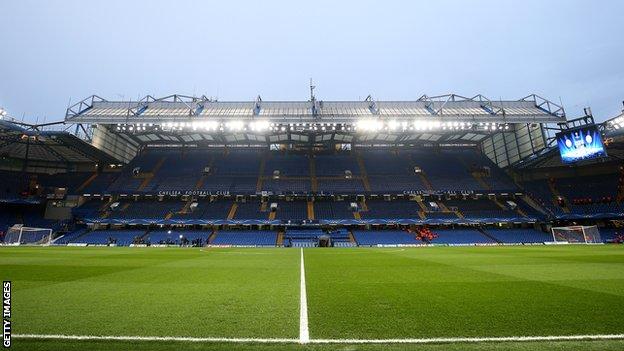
18	235
576	234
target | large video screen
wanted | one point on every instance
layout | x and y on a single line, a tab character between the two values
580	144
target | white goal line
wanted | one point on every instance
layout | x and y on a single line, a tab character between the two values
325	341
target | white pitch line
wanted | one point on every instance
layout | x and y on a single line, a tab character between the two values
325	341
154	338
470	339
304	333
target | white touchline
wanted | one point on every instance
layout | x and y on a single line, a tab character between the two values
153	338
324	341
304	333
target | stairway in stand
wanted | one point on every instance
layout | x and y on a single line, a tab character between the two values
363	172
232	212
556	195
311	210
87	182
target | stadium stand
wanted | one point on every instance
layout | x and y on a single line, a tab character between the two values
106	237
439	182
177	237
250	210
481	208
206	210
391	209
457	236
302	237
245	238
292	210
384	237
327	209
524	235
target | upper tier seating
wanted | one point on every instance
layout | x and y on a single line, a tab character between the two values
207	210
341	186
237	171
250	210
332	210
480	208
145	209
292	210
287	165
539	191
395	184
335	165
20	185
590	195
397	209
182	170
100	184
282	185
89	209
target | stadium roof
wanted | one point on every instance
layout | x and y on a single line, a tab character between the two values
180	108
28	142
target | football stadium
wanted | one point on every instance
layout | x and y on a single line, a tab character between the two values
351	175
442	223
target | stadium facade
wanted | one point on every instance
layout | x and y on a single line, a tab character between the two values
195	171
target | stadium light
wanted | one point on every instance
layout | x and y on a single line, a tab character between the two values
426	125
393	125
259	126
369	125
210	125
235	125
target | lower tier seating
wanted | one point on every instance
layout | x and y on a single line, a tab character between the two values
245	238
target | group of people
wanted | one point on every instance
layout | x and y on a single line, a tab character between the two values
425	234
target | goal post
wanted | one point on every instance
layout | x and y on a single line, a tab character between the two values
19	235
577	234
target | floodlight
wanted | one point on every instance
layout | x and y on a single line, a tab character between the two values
369	125
235	125
393	124
259	125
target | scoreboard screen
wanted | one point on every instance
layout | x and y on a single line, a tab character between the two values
580	144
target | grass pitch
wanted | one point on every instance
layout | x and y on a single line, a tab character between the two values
352	294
